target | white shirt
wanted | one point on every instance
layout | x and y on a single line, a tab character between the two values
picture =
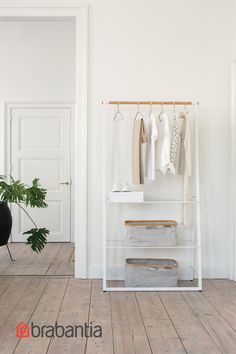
150	149
163	144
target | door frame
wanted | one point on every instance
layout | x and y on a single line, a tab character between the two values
24	10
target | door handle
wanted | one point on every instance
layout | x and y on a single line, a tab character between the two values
66	183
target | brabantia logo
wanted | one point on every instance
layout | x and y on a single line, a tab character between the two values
32	330
22	330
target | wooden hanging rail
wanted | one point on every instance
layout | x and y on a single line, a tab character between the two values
182	103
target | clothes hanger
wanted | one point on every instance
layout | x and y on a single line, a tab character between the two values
174	113
185	108
174	110
184	113
118	114
162	111
138	114
150	112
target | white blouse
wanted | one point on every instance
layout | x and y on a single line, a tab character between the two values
163	144
150	167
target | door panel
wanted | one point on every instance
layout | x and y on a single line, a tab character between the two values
40	147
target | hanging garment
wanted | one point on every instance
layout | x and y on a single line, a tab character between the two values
150	149
174	146
139	137
163	144
185	151
185	163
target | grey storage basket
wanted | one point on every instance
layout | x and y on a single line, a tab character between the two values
151	233
150	272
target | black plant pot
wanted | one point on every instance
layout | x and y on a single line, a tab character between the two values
5	223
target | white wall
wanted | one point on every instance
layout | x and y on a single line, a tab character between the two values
37	60
233	151
158	49
166	49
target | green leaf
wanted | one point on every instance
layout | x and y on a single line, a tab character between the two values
14	192
18	192
35	195
31	196
37	238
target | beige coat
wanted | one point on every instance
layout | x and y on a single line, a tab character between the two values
140	137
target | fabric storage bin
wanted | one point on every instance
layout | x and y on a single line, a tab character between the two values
150	272
151	233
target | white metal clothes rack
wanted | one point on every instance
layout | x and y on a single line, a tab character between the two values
192	247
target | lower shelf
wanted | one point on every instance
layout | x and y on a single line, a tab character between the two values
177	288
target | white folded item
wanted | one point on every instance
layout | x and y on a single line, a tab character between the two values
124	197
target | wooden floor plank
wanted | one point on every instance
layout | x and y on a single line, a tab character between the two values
140	323
22	312
45	314
161	333
23	261
189	328
4	283
74	311
220	331
227	287
67	266
100	314
61	262
42	261
55	258
5	262
128	329
11	296
221	303
15	249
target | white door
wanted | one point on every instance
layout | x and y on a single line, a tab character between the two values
40	147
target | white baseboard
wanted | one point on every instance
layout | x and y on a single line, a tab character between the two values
218	271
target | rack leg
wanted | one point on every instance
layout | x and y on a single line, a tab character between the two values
9	253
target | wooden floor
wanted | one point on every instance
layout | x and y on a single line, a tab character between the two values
138	322
55	259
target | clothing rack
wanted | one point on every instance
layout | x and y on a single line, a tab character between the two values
191	245
179	103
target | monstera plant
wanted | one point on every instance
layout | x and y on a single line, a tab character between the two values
24	196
